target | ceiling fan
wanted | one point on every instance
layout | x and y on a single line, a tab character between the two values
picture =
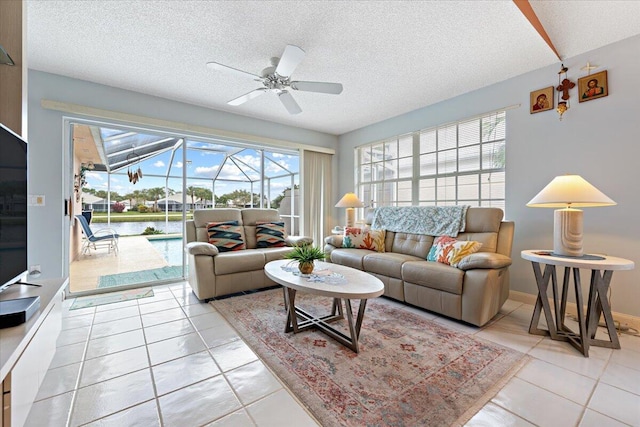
277	79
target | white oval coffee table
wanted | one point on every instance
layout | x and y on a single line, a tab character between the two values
356	285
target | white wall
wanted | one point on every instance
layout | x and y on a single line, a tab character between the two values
599	140
48	149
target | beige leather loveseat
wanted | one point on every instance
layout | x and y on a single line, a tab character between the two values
472	292
213	273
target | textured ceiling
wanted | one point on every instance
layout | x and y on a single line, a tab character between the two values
391	56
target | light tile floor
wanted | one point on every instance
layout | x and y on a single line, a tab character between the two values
170	360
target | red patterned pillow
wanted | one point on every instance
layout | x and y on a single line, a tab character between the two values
358	238
226	236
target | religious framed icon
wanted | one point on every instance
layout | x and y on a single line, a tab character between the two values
593	86
541	100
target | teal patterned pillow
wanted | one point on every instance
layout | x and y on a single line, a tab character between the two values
226	236
269	234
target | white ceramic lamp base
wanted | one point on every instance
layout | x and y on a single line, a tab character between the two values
351	217
567	232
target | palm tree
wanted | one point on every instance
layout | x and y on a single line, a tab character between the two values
131	197
140	196
155	194
192	191
204	195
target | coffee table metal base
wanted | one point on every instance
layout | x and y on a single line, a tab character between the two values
322	323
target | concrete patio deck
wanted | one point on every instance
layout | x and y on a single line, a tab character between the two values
135	254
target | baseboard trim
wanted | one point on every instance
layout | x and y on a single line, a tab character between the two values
624	319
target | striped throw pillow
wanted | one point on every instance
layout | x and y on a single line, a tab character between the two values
226	236
269	234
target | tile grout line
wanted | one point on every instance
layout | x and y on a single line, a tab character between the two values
156	398
80	370
283	386
222	373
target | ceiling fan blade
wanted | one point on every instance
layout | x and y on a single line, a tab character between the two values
289	103
290	59
322	87
220	67
247	96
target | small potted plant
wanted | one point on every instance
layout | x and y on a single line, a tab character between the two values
306	255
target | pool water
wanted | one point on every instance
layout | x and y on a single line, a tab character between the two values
170	249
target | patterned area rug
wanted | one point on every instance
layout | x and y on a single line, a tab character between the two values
110	298
143	276
409	372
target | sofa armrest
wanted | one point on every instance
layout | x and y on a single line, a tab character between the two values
298	241
201	248
335	241
487	260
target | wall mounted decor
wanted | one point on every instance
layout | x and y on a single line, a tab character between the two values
541	100
79	181
593	86
564	85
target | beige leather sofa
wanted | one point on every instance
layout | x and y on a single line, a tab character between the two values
473	292
213	273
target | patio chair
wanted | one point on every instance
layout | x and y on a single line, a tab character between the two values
103	237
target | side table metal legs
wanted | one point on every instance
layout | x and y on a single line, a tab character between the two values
542	302
322	323
597	304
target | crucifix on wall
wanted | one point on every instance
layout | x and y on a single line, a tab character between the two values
564	85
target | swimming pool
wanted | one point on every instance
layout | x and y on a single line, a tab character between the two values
170	248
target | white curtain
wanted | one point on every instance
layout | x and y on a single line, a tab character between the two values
317	200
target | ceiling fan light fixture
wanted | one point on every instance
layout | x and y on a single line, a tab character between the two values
276	78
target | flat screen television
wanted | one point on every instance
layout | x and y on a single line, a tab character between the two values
13	207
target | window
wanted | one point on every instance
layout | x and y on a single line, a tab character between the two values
459	163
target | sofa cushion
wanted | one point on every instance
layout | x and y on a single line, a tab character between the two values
270	234
450	251
272	254
388	263
358	238
201	248
250	217
411	244
298	240
489	240
484	260
433	275
238	262
350	257
202	217
483	220
226	236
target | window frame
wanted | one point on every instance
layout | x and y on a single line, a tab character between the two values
377	188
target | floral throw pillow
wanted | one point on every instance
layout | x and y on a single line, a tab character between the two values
269	234
226	236
358	238
450	251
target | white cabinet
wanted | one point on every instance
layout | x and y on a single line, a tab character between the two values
26	350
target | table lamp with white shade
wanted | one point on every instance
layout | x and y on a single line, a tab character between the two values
350	201
569	192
